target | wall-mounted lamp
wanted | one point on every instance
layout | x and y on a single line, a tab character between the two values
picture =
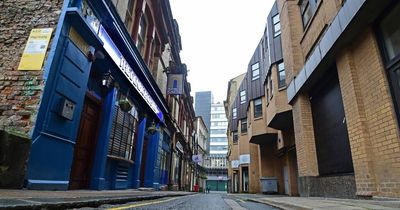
152	129
96	55
107	79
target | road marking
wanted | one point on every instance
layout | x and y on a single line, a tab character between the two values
146	204
242	201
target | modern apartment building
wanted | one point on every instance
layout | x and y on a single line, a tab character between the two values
317	112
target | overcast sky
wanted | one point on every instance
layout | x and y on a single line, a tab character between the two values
218	39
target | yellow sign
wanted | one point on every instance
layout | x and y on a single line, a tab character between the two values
35	49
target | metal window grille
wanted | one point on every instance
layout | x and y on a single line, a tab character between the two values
123	135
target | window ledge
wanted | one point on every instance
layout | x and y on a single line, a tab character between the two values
258	118
282	88
120	159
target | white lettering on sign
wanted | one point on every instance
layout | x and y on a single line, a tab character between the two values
127	70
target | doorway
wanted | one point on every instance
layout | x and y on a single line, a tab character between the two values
245	179
286	179
143	162
235	182
330	127
84	149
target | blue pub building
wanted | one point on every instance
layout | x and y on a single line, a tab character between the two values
102	119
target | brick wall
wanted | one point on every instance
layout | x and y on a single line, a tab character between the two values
20	91
371	119
292	32
304	137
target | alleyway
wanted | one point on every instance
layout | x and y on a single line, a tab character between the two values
220	201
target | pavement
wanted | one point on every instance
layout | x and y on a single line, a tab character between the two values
34	199
305	203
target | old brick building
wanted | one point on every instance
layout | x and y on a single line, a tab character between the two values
340	135
97	108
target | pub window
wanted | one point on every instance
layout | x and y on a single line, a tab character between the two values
277	25
235	137
234	113
243	125
129	14
123	134
281	75
255	71
257	108
141	35
242	96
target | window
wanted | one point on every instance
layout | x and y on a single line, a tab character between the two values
129	14
218	139
269	88
255	71
123	135
257	108
243	125
235	137
281	75
391	33
390	44
234	113
141	35
242	96
277	25
218	131
307	9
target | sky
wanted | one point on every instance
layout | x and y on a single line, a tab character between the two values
219	38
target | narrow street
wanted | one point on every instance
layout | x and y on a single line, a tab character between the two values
198	201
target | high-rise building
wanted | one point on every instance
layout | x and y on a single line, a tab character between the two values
202	106
217	168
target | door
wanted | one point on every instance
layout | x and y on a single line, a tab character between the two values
235	182
143	162
330	128
245	177
286	179
85	144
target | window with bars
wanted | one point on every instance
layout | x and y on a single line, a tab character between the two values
123	135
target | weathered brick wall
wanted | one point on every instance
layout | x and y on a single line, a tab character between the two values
371	119
20	91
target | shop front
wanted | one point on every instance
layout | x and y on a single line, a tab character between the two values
100	123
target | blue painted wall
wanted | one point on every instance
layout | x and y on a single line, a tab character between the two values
53	142
139	151
151	179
